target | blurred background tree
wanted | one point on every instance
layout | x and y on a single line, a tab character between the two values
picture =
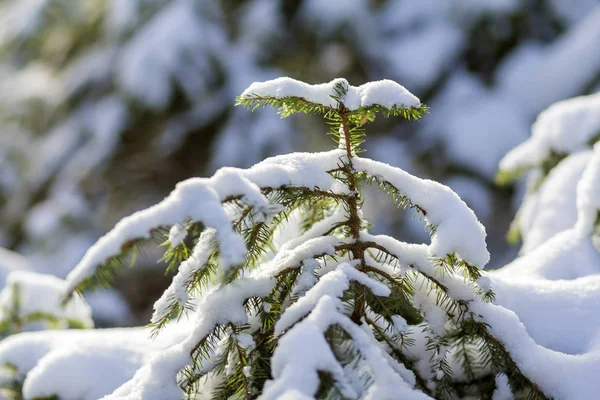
106	104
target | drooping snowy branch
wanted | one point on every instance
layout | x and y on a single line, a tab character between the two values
457	229
306	171
588	195
564	128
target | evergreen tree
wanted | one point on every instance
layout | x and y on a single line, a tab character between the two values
333	311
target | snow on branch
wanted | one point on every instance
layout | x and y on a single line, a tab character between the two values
385	93
295	366
588	195
332	284
457	229
417	256
564	128
290	96
33	301
301	170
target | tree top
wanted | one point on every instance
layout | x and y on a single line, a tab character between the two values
360	103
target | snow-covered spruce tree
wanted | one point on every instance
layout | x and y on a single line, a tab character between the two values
333	312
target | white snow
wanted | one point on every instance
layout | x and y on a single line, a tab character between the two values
546	312
560	375
503	391
318	229
81	364
543	297
40	293
176	292
552	309
155	380
179	47
457	227
295	366
177	234
588	195
552	208
385	93
332	284
563	128
298	169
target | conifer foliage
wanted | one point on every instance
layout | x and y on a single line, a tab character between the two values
293	297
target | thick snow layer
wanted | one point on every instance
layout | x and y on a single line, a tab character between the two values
552	208
503	391
457	227
177	234
333	284
385	93
570	258
418	257
218	305
554	290
295	366
560	375
81	364
40	293
588	195
564	128
553	310
298	169
567	255
475	194
155	380
176	292
318	229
